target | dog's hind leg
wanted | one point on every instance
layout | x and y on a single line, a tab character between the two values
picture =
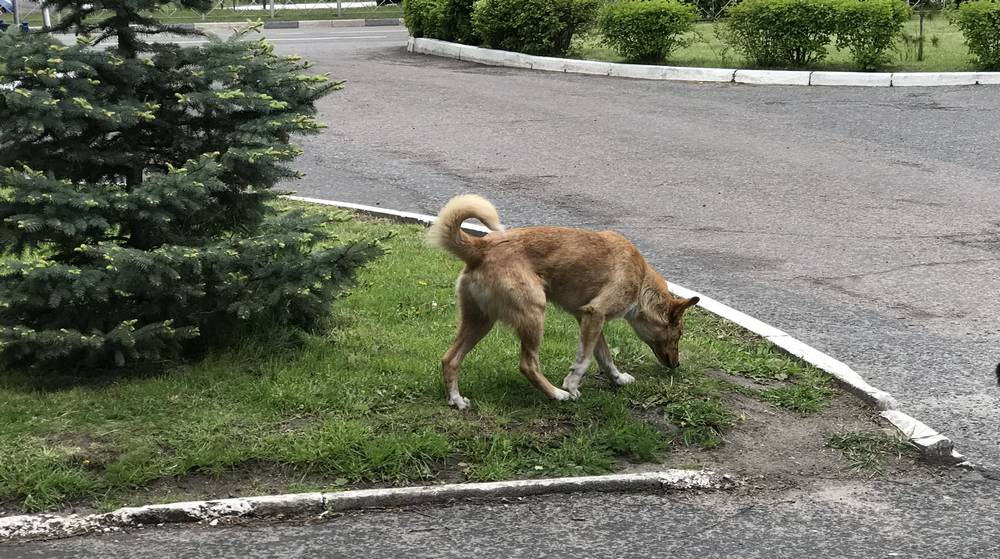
473	325
530	332
590	330
602	353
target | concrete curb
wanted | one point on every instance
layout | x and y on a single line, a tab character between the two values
305	24
934	446
44	526
491	57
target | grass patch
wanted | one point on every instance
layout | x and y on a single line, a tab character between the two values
360	402
808	395
869	453
944	50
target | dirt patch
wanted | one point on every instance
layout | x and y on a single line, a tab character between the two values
780	448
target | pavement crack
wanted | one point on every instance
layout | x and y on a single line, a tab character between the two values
825	279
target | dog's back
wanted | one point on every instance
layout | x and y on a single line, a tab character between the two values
572	266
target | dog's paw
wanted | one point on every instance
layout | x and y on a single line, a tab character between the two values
571	384
459	402
562	395
624	378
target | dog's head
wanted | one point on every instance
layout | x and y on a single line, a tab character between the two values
662	329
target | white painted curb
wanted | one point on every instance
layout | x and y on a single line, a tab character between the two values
492	57
291	24
934	446
859	79
771	77
39	526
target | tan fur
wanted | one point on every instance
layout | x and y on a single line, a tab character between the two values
509	276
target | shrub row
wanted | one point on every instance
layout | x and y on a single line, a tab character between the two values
797	32
768	33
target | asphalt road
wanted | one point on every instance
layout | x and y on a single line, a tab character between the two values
873	520
863	221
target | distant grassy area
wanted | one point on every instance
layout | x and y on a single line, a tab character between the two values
944	50
361	403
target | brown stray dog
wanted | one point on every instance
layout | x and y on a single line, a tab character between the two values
509	276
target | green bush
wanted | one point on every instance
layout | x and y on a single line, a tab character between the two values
424	18
532	26
456	23
868	28
646	30
980	23
134	190
779	32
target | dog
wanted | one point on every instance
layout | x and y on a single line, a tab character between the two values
510	275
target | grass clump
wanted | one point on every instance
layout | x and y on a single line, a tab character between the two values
869	453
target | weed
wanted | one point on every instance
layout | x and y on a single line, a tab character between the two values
869	452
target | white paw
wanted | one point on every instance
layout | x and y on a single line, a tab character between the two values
624	378
562	395
459	402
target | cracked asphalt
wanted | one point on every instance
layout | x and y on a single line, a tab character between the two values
865	222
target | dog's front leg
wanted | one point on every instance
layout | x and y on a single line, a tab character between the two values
602	353
591	324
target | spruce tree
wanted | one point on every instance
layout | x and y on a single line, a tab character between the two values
137	211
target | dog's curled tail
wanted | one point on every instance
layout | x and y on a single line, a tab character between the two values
446	232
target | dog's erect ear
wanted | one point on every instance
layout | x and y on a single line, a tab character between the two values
678	306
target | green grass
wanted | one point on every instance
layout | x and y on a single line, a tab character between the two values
944	50
869	453
360	402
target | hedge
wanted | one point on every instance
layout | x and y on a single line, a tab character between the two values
424	18
532	26
779	32
980	23
868	29
646	30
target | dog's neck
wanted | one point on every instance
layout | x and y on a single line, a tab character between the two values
654	298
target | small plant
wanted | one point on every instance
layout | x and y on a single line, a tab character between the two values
543	27
980	23
869	452
804	397
868	28
646	30
777	33
701	421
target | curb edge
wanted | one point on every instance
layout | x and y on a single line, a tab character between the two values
491	57
45	526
